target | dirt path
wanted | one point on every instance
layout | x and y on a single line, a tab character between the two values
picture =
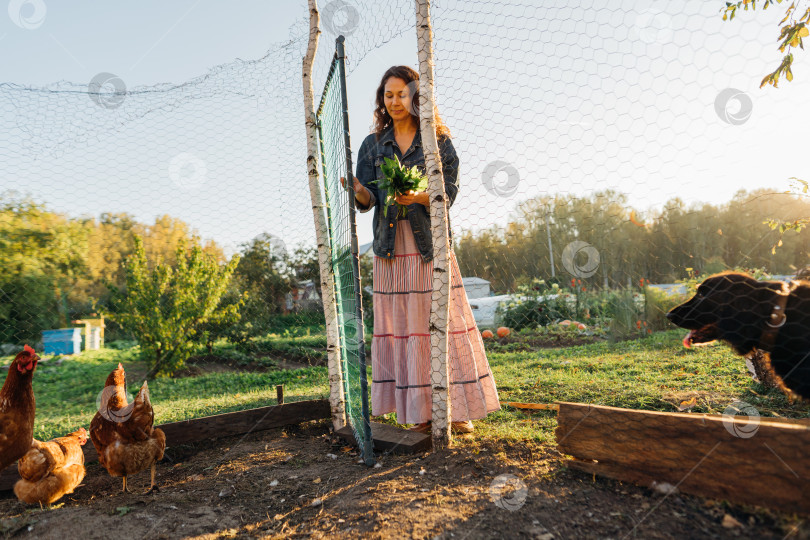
300	482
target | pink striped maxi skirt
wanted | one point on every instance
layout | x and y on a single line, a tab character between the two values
400	347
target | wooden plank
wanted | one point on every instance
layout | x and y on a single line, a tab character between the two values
393	439
215	427
750	461
241	422
796	421
532	406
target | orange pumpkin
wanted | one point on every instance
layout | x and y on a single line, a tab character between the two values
503	331
487	334
566	322
581	326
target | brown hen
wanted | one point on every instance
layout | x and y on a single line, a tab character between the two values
17	408
50	470
123	434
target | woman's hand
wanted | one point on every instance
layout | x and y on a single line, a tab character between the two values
358	187
361	194
411	197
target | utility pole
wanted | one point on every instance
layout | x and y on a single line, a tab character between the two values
550	250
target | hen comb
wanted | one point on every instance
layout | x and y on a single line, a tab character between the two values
29	350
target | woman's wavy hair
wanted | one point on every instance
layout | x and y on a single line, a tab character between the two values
383	120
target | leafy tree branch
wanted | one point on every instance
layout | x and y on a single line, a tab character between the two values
793	30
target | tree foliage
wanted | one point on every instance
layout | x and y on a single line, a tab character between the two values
655	244
40	260
793	30
799	187
264	278
54	268
166	307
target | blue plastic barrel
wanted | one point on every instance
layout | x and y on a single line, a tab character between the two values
62	341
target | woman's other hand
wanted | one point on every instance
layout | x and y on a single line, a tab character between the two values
358	187
412	197
360	192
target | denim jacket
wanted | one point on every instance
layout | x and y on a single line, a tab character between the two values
370	158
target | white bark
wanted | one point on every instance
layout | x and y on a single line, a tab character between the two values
439	312
336	397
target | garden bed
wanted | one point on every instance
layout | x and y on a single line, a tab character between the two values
302	482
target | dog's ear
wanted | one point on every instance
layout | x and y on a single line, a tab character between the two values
746	307
754	298
765	295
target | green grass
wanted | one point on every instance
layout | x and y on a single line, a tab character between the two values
654	373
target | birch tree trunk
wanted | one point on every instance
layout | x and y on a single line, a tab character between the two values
336	397
439	310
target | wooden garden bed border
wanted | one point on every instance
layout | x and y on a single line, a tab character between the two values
764	464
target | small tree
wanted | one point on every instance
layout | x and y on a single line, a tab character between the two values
264	274
166	308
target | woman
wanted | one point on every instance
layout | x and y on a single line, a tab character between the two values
402	275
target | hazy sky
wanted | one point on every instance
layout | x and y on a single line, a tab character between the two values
578	97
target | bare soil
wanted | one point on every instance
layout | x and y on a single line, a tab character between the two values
211	363
301	482
291	358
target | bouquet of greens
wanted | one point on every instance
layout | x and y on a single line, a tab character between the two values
398	180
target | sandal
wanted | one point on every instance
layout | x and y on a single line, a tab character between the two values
421	428
462	427
455	427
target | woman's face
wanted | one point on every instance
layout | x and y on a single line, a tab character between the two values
397	98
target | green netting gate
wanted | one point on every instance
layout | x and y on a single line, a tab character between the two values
336	162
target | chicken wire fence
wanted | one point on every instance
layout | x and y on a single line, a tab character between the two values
333	130
601	147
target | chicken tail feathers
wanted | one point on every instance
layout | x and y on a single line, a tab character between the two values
160	441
